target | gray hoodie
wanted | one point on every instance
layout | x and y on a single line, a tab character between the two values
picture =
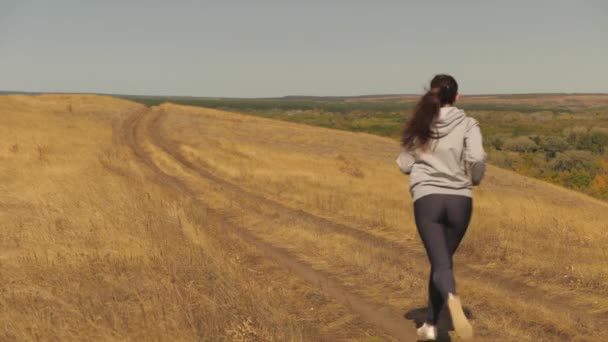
454	162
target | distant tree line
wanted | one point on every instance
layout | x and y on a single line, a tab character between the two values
576	159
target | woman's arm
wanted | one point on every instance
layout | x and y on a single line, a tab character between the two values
474	153
405	160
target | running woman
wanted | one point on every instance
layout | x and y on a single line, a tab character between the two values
442	152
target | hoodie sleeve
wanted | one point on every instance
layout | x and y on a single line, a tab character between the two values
405	160
473	152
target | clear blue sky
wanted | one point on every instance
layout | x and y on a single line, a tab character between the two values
273	48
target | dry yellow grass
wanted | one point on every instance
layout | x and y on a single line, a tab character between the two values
178	223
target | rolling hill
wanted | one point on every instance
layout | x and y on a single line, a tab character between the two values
170	222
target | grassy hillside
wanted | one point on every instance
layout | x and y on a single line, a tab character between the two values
172	222
559	138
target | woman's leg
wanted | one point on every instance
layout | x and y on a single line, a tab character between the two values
442	221
429	212
458	216
436	302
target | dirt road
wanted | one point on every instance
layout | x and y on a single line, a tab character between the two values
169	166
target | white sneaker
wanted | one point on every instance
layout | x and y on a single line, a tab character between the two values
426	332
461	324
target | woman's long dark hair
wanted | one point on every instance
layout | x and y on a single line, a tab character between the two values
419	131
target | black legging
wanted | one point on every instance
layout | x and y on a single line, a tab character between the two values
442	221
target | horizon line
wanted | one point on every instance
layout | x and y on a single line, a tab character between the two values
18	92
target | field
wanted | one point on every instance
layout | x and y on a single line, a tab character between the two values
559	138
122	221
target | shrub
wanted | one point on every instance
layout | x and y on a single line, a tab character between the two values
495	141
594	139
520	144
578	179
599	139
553	144
574	133
573	160
600	184
500	159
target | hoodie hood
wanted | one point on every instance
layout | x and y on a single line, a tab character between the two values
448	119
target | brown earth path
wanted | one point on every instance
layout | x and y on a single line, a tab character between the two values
387	319
384	318
506	284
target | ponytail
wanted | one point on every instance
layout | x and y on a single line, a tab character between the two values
418	130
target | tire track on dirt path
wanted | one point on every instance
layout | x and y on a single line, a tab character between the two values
504	283
383	318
